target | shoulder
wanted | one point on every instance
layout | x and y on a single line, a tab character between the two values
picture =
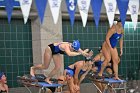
113	28
64	44
122	31
101	54
98	55
79	63
0	86
6	86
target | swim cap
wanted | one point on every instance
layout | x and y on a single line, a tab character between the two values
76	45
1	74
70	73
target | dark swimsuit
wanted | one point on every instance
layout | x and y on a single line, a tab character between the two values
111	67
98	65
56	49
3	91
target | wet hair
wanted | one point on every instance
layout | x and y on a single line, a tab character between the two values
118	20
88	58
100	48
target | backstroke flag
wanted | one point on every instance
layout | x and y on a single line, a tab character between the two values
41	6
2	3
25	8
96	8
55	8
71	7
83	6
134	8
9	8
110	10
122	6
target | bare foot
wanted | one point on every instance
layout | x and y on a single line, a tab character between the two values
32	71
117	78
100	75
48	81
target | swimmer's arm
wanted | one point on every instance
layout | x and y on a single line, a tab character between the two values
77	70
121	43
83	52
83	77
121	46
70	53
6	87
96	58
80	50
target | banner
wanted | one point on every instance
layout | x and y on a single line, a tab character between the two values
83	6
122	6
134	8
110	10
9	8
71	7
55	8
41	6
25	8
96	8
2	3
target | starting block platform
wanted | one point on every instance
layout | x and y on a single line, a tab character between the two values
110	85
27	82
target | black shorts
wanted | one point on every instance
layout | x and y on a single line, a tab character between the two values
3	91
52	89
53	50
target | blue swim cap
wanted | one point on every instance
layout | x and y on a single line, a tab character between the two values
76	45
1	74
70	73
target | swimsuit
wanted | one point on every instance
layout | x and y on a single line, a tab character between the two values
114	39
73	70
56	49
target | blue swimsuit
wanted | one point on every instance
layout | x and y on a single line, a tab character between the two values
114	39
80	73
98	65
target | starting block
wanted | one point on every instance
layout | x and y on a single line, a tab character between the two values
110	84
28	81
